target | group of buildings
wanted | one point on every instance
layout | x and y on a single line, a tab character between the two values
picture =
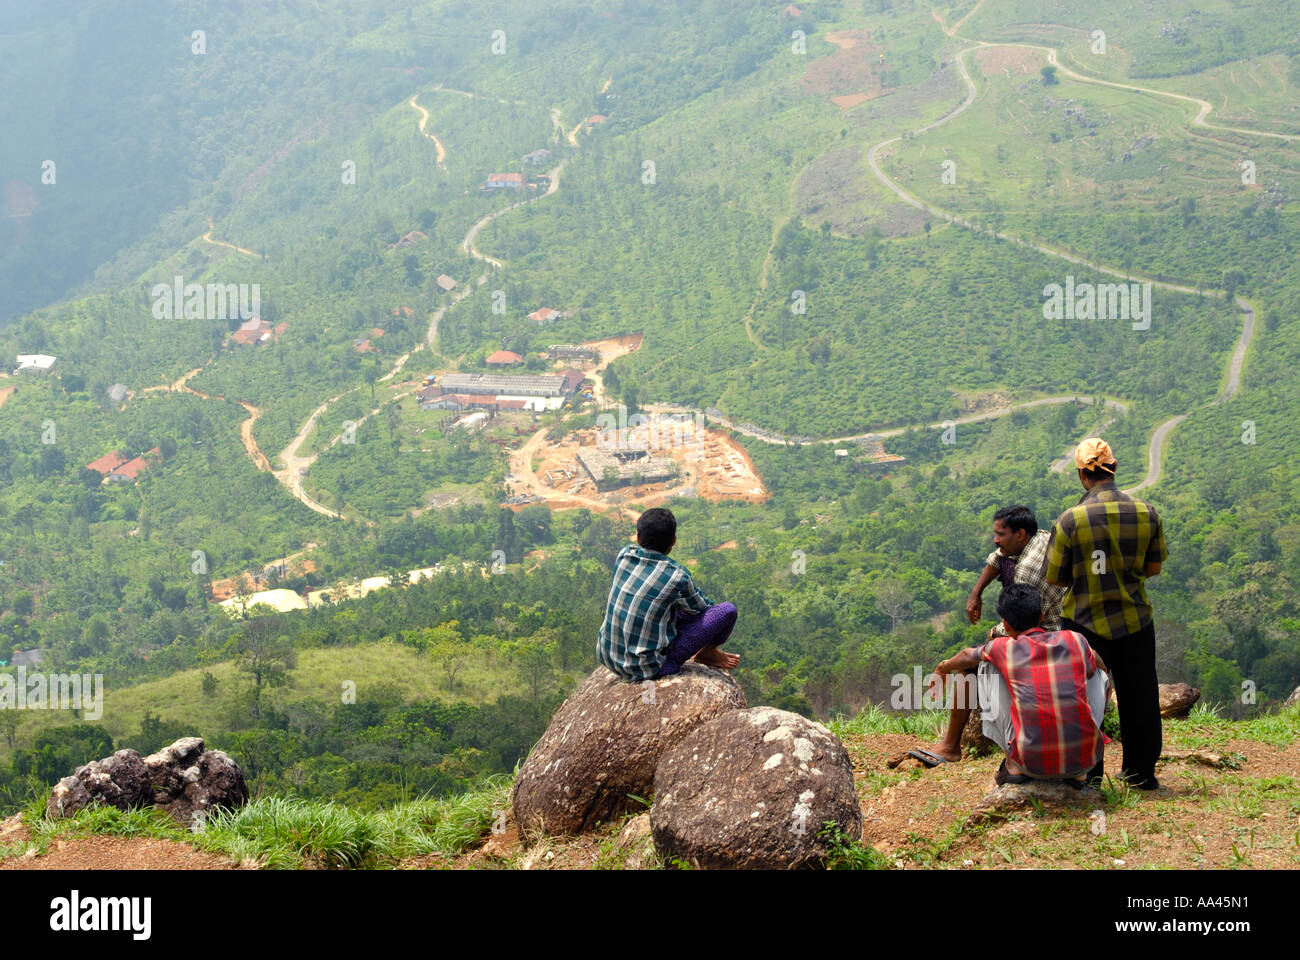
255	330
502	391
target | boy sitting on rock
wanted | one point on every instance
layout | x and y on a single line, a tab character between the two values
656	618
1042	694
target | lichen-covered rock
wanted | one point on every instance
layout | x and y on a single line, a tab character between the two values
1176	699
602	745
184	779
752	789
189	782
118	781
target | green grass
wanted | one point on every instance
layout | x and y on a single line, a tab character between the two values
287	833
1204	727
848	854
873	719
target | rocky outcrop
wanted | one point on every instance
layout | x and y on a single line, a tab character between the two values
752	789
1176	699
600	751
184	779
1294	699
189	781
1043	795
118	781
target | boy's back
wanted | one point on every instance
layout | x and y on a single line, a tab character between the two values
640	615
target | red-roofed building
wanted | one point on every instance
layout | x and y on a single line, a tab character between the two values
132	469
108	462
504	358
253	331
544	315
501	181
597	118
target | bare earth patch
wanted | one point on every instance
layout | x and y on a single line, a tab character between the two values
1017	60
852	72
119	853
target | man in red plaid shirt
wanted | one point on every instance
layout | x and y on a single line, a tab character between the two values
1042	694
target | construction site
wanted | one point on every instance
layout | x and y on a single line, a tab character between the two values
643	464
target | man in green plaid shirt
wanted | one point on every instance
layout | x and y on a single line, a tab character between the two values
1103	549
656	618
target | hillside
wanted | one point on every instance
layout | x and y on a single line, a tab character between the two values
1238	816
825	233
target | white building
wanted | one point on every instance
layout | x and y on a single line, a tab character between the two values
39	362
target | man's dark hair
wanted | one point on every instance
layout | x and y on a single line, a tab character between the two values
656	529
1018	518
1096	473
1021	606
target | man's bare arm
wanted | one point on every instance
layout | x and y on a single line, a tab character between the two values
966	660
975	602
1151	569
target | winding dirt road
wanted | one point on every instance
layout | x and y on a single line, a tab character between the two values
221	243
424	119
1233	378
296	464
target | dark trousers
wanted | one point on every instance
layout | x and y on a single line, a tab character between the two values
1132	663
697	631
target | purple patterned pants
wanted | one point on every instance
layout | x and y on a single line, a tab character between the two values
697	631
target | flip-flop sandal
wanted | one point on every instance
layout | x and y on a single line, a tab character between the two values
926	757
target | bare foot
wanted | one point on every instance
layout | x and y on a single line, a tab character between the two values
952	756
714	657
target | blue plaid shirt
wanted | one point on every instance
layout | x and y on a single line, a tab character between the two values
640	617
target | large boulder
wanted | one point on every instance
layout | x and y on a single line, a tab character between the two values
1176	699
752	790
601	748
184	779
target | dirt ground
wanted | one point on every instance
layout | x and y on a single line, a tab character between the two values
108	853
853	73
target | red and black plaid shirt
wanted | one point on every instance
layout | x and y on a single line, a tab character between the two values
1053	731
